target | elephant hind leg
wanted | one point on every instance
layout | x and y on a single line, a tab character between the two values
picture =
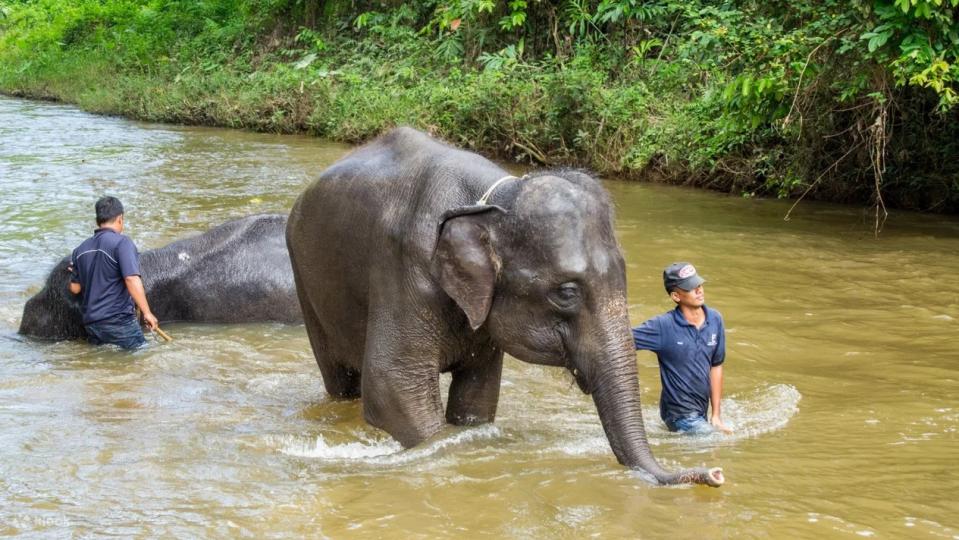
341	381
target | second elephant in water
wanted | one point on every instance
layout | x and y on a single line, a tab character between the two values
412	258
236	272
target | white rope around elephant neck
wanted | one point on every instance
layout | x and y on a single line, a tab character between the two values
482	200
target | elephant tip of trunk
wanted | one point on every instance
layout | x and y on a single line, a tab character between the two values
714	477
709	477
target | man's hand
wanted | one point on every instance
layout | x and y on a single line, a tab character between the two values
74	286
717	423
151	321
135	288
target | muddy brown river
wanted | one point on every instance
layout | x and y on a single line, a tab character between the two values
842	374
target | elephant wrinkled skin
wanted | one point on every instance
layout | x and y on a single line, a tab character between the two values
402	275
236	272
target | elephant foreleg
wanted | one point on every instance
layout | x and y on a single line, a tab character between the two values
405	402
474	391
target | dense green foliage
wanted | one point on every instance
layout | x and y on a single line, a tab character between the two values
843	100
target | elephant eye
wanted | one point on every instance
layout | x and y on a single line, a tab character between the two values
566	296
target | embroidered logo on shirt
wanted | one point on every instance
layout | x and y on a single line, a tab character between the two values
679	343
712	340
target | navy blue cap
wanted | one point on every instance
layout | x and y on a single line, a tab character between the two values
681	275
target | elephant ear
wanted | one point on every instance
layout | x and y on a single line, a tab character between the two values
464	262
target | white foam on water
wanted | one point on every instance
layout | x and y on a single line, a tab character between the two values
287	387
840	525
750	414
761	411
574	516
10	316
385	451
582	447
359	450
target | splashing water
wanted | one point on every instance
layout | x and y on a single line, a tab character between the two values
761	411
384	450
751	414
364	449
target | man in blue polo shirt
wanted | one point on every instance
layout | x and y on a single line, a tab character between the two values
690	342
105	271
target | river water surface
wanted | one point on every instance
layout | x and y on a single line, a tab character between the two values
842	374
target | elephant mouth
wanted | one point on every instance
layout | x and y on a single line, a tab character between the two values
581	379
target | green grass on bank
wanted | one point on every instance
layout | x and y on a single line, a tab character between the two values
571	116
690	99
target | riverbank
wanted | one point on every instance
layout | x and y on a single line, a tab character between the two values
646	101
553	117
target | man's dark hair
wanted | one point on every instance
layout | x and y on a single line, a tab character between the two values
108	208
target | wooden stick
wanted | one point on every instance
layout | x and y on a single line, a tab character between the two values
163	334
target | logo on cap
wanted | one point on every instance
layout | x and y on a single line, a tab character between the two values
687	271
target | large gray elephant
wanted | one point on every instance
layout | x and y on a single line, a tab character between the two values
412	258
236	272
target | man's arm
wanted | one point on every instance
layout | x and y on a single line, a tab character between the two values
716	377
129	262
715	398
646	337
135	288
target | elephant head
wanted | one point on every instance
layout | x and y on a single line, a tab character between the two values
543	273
54	313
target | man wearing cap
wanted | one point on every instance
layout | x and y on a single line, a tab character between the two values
105	271
690	343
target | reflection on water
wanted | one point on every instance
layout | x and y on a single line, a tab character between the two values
841	378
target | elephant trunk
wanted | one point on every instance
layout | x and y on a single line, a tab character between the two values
614	386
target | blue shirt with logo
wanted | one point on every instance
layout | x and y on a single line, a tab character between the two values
100	265
686	355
